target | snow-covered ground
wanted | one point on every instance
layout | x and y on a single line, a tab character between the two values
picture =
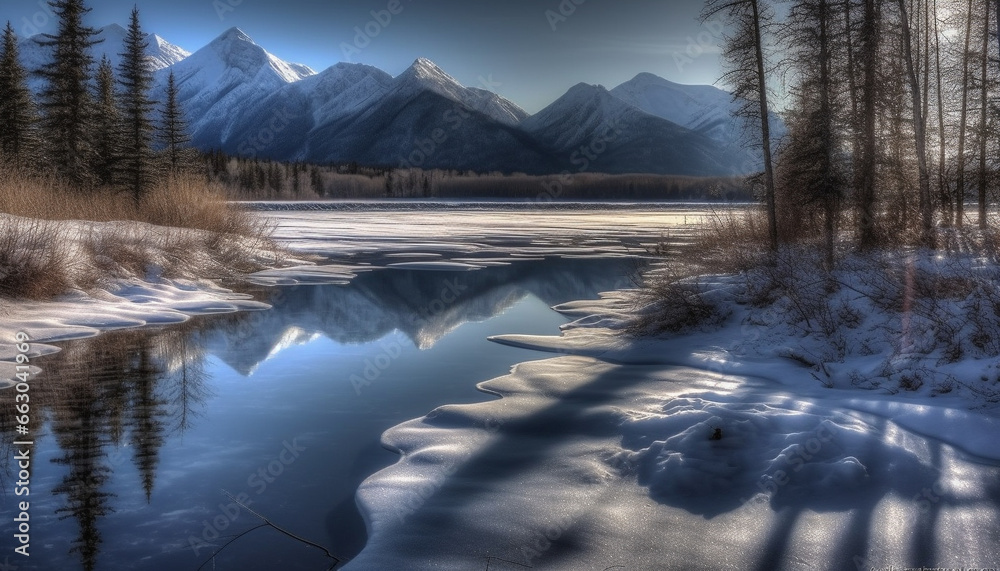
684	453
738	445
115	272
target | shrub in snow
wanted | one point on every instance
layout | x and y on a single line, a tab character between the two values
913	321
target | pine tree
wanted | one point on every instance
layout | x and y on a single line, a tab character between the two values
108	127
66	103
274	178
17	110
173	128
136	79
147	418
261	173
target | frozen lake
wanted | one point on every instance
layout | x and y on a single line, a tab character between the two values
583	464
143	428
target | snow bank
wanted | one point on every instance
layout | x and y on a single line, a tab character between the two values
122	305
744	443
116	270
586	464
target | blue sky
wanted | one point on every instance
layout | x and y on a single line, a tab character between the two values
530	51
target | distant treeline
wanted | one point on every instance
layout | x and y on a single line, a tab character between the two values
257	179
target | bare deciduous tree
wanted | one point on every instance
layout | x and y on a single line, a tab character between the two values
745	56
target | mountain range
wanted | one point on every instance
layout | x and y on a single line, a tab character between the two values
161	53
239	98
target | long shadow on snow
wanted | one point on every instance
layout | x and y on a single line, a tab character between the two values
523	443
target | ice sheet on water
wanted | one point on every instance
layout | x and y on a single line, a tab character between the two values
434	266
463	232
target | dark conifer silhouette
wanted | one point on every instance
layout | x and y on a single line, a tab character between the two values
107	127
136	79
18	136
66	102
173	132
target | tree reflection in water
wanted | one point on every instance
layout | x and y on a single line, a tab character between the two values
111	399
120	397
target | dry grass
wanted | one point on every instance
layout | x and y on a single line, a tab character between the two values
674	296
734	240
182	202
182	228
32	264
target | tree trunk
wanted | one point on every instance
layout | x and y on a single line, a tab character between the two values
765	129
946	207
926	51
826	113
984	108
852	83
963	119
866	173
926	215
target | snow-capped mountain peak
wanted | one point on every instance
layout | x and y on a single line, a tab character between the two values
222	80
159	52
425	75
234	48
699	107
586	91
583	102
427	70
113	31
705	109
344	88
234	34
163	53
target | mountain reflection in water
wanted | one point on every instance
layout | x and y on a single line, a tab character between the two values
106	408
